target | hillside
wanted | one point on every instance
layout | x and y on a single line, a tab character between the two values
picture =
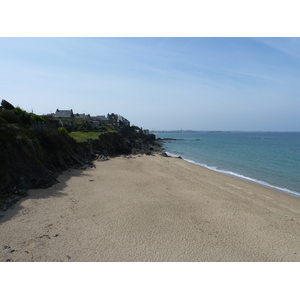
34	152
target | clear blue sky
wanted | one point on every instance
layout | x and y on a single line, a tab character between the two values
159	83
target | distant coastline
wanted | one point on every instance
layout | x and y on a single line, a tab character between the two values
184	131
218	131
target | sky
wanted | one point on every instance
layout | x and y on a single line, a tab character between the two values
170	83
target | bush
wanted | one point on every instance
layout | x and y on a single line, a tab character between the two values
9	116
23	116
36	118
62	130
20	111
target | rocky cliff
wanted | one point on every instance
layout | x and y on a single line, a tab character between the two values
34	157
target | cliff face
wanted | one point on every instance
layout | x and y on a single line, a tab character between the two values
33	158
110	143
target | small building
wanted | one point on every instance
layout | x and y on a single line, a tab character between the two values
117	120
123	121
81	116
101	118
112	119
68	114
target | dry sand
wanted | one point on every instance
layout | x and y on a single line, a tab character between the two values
151	208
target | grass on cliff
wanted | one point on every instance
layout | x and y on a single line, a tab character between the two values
83	136
80	136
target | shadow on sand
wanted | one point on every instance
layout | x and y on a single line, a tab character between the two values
52	191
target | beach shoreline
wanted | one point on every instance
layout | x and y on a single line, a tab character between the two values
151	208
239	176
267	158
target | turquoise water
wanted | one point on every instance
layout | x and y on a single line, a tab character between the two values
268	158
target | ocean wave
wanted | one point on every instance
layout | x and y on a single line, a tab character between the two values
172	155
233	174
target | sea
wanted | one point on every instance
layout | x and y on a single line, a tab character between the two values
271	159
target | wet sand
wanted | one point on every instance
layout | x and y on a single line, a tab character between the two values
151	208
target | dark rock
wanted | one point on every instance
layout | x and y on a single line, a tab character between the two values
164	154
10	201
22	192
6	105
102	158
8	249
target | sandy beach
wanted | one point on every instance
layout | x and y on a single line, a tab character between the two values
151	208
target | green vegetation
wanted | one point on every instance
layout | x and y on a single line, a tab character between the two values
62	130
9	116
16	115
81	130
36	118
108	128
20	111
81	136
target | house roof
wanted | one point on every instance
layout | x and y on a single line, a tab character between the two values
63	113
80	116
103	118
